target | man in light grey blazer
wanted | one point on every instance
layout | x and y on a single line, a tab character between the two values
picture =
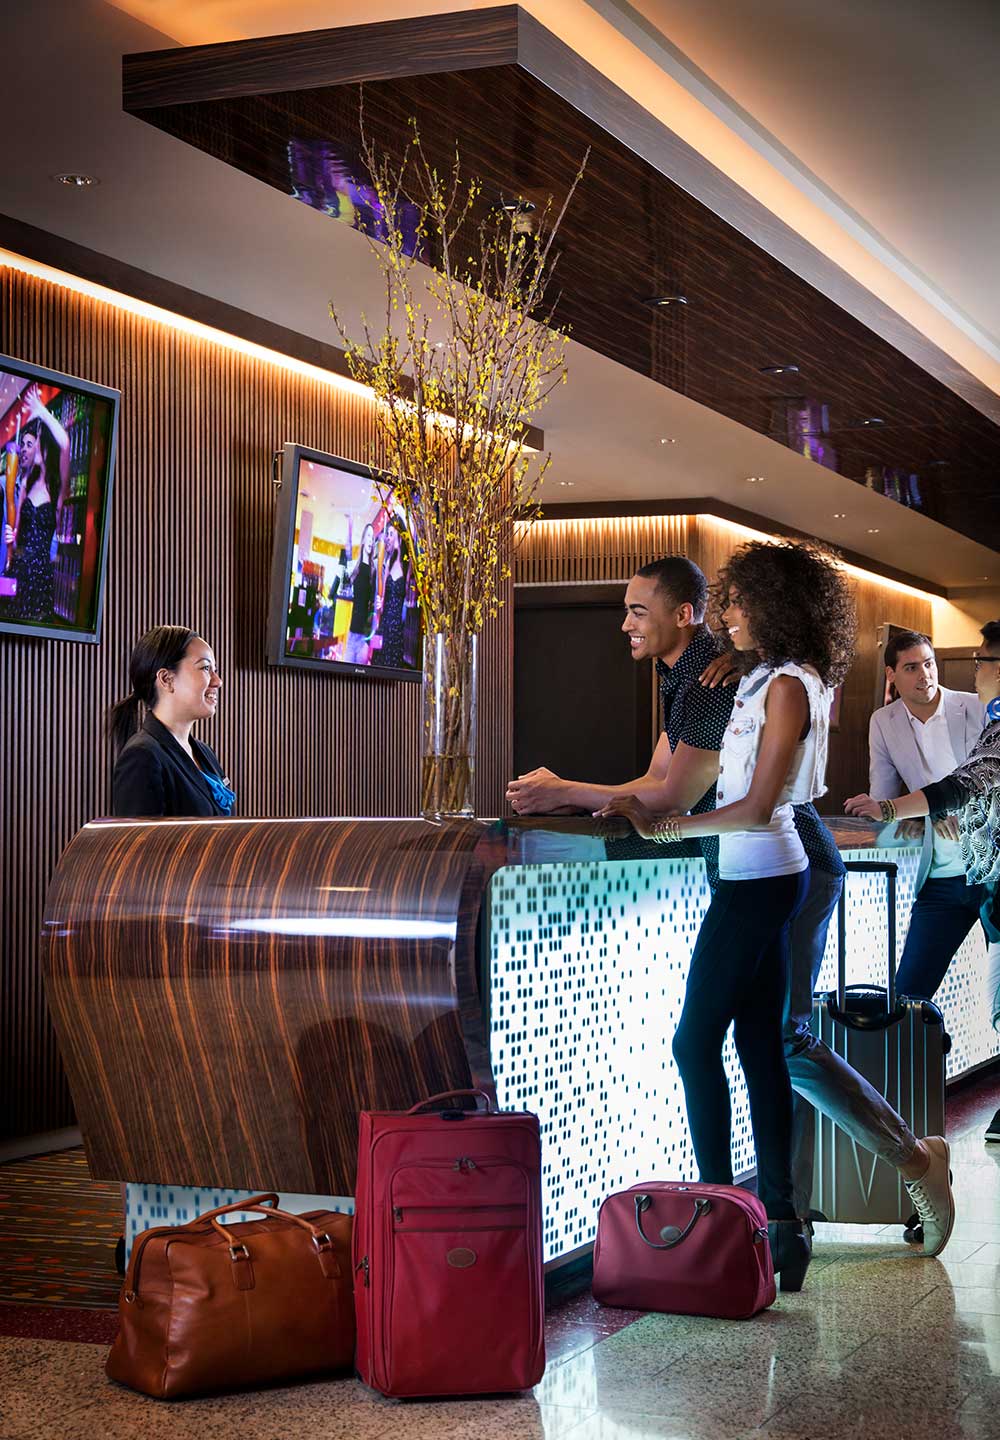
917	740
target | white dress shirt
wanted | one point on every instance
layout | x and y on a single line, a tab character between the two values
938	759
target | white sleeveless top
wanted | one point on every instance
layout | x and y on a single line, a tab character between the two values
775	848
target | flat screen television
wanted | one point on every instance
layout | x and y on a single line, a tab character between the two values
57	463
343	592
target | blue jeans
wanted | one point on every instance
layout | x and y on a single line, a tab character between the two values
820	1078
943	914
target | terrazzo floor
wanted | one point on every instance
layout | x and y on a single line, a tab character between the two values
881	1343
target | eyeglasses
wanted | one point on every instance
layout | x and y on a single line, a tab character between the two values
978	660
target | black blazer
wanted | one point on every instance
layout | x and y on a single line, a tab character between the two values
153	775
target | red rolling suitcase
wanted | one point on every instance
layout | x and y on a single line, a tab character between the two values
448	1285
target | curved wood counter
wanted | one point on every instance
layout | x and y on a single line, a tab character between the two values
228	994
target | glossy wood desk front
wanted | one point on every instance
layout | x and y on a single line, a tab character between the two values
229	994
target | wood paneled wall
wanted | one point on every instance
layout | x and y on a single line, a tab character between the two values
560	551
190	542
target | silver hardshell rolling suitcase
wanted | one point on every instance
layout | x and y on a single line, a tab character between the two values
899	1046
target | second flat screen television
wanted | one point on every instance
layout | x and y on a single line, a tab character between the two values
343	592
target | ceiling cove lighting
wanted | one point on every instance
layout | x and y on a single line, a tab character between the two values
744	532
172	321
738	533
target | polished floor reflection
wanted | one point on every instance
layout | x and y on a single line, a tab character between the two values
881	1343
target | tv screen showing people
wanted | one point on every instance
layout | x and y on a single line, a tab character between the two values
344	592
57	456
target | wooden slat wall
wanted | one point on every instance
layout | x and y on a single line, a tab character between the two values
561	551
190	542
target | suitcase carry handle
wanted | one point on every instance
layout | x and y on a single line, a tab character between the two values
643	1202
857	1021
838	1009
491	1107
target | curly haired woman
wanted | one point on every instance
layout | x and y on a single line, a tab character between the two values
790	617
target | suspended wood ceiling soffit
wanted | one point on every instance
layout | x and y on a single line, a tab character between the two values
285	110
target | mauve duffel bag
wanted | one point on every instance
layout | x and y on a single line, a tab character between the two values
684	1250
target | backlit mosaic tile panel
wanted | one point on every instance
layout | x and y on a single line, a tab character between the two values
962	996
587	971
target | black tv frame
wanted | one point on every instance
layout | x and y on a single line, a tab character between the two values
30	371
281	564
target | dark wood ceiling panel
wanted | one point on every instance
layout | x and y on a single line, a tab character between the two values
855	404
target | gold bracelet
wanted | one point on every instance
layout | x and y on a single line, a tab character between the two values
888	810
667	831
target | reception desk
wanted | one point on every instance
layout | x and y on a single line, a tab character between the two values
228	994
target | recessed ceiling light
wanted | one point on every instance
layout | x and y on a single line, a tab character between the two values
840	515
663	302
755	479
667	440
779	369
518	207
873	532
866	422
568	483
72	177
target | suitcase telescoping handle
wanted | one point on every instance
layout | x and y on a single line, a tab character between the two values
839	1011
454	1095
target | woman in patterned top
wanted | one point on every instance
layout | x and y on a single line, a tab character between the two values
972	793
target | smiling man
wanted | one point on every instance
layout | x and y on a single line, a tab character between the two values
665	605
918	740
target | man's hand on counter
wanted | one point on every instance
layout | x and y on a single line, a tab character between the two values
910	830
539	792
947	828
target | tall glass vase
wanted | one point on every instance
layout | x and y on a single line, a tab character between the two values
449	734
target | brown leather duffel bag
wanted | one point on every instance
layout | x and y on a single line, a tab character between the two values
207	1306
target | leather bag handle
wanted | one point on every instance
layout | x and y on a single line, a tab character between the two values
702	1205
239	1254
252	1202
239	1251
451	1095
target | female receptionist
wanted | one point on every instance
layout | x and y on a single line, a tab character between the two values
160	768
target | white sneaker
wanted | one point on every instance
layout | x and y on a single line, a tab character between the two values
932	1197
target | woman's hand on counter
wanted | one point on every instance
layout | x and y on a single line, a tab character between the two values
538	792
865	806
910	830
633	810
